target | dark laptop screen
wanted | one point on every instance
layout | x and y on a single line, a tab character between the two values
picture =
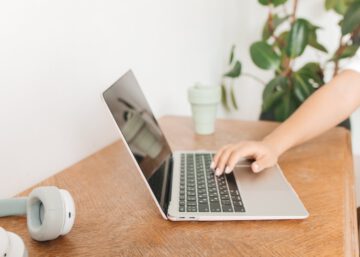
141	131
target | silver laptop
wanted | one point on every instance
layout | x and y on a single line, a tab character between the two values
181	183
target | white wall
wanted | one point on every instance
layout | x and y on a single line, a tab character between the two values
56	57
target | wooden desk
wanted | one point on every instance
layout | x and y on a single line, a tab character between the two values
116	215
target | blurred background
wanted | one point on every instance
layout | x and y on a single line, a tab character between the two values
56	58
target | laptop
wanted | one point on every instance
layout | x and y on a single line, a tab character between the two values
181	183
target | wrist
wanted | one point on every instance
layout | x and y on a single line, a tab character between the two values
275	144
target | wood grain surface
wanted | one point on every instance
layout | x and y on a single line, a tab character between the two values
117	217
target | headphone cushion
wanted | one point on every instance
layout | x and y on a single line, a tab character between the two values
4	242
11	245
45	211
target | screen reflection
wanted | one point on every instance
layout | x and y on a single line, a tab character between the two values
140	130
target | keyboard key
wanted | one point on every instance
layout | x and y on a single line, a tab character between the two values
239	208
227	208
191	209
181	208
226	202
191	198
214	199
203	201
224	197
203	208
215	207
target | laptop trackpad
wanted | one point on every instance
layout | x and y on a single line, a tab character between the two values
269	179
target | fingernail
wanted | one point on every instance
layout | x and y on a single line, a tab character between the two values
227	170
255	167
212	165
217	172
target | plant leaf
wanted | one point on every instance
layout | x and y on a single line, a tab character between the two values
302	88
282	41
312	37
330	4
274	2
313	70
235	71
231	57
264	56
297	38
224	97
287	105
233	99
273	91
349	51
306	80
339	6
276	21
312	40
278	2
351	19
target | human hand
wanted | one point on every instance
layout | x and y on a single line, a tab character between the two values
263	154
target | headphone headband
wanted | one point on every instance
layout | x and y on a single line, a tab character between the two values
11	207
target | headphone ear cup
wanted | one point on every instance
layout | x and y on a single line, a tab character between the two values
11	245
4	242
69	209
45	213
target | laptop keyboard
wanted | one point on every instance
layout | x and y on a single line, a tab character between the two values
202	191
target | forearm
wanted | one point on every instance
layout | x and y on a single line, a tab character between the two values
326	108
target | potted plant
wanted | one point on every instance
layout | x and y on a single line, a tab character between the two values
285	36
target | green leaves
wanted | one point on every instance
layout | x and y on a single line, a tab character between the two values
314	43
339	6
351	19
264	56
297	38
302	33
312	37
271	25
235	71
286	107
274	2
306	80
283	95
233	99
279	99
231	57
224	97
273	92
348	51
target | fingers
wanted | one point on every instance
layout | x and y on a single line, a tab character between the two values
262	163
228	156
216	158
222	161
241	152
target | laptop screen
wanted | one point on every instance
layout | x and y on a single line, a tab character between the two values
141	132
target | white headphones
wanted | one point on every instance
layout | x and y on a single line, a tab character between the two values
50	213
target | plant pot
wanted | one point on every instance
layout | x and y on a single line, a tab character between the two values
269	116
204	101
138	135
